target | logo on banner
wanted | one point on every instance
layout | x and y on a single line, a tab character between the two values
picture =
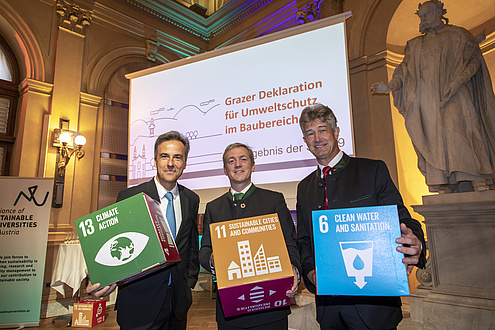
121	249
32	191
251	266
358	260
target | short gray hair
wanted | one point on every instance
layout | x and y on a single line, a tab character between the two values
317	111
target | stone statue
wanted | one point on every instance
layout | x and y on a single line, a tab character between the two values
443	90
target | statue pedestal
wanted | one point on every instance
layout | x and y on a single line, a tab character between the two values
461	241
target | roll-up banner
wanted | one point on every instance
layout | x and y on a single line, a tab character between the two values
24	218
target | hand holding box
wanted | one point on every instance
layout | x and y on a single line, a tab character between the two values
126	240
251	264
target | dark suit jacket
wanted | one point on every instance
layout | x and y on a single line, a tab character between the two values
260	202
139	302
362	182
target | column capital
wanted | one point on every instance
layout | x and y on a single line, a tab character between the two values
309	13
73	17
32	85
90	99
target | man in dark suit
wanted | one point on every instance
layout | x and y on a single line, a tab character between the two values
349	182
161	300
238	161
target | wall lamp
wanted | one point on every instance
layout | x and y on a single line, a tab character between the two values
69	144
66	140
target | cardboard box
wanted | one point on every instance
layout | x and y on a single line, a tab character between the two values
252	265
355	252
88	313
126	240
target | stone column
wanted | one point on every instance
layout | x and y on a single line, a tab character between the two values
460	230
85	171
66	96
30	154
79	110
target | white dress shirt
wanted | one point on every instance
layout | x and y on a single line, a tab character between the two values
243	191
332	163
164	203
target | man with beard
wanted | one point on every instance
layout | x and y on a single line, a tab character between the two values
443	90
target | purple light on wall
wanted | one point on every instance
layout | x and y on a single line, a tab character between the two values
310	13
291	21
281	21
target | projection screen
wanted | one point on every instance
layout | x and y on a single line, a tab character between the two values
252	92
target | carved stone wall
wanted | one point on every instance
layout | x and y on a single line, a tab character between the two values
460	230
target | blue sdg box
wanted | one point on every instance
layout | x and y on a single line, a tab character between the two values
126	240
355	252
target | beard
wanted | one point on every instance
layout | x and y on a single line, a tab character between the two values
429	26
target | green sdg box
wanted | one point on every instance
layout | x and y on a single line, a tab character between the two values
126	240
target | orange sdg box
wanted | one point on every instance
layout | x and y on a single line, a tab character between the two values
252	265
88	313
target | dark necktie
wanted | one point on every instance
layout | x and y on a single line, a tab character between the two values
326	171
170	214
238	196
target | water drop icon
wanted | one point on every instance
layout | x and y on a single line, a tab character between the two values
358	263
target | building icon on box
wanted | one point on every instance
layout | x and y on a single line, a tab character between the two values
257	278
246	259
260	263
81	320
250	266
274	264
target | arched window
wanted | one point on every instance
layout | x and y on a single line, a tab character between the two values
9	80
